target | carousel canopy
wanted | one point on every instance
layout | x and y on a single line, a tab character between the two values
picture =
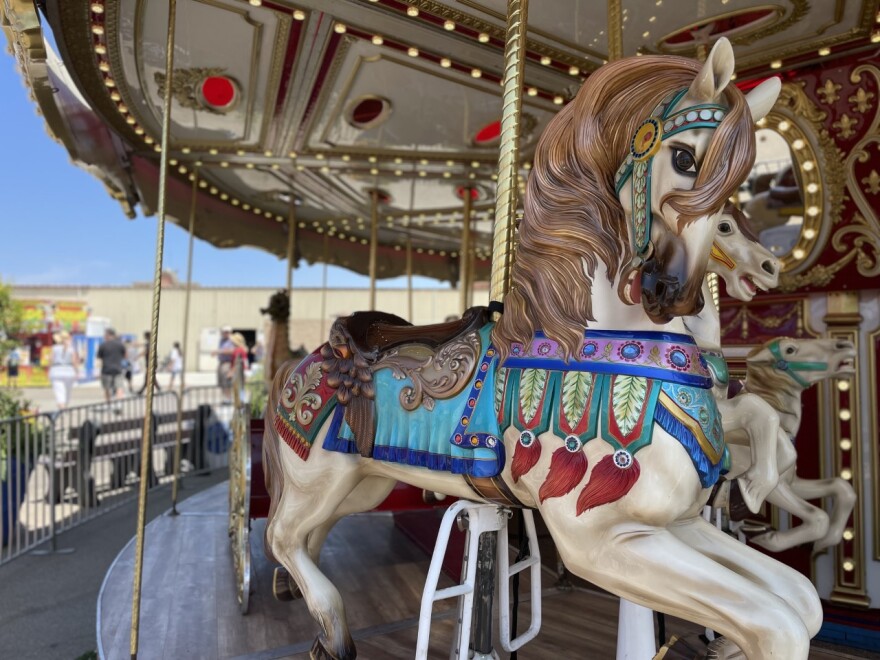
304	109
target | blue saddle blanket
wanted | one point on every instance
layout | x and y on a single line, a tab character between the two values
460	435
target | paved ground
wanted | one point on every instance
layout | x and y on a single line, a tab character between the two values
43	399
47	603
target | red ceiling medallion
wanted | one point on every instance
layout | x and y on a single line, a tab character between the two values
489	135
477	193
368	112
219	92
736	26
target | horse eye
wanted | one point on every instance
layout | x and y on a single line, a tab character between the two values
684	161
725	228
789	350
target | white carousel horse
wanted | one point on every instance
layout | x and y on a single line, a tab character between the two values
778	372
614	435
751	425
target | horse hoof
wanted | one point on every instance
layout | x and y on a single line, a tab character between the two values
284	588
321	652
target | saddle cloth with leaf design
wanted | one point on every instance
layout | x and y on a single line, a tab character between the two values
617	388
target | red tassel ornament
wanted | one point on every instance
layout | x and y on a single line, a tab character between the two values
526	454
611	479
567	467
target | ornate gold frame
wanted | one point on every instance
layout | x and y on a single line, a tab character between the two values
874	429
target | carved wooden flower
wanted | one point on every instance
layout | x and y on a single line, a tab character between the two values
861	101
828	91
348	370
872	182
844	126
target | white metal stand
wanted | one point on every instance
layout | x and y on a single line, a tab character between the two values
481	518
635	632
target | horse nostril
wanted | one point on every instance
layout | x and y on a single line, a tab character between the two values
769	267
841	345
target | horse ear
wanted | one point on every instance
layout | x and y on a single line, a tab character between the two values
762	98
715	74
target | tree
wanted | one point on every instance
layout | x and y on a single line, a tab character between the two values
11	320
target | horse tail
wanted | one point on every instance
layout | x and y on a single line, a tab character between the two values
273	471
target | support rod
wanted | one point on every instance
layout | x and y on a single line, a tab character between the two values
175	486
615	30
324	258
154	333
291	242
374	243
508	159
465	263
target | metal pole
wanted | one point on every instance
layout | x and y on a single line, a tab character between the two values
175	486
324	258
374	243
615	30
409	282
464	268
154	333
291	242
508	159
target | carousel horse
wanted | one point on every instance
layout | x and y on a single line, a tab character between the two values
778	372
278	349
751	425
613	435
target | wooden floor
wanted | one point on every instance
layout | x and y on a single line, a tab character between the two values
189	609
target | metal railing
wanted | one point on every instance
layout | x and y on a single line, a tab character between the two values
59	470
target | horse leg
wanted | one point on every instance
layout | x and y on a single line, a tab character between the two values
814	526
651	567
767	573
368	494
299	513
844	498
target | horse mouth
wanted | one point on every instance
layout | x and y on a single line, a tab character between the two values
750	285
846	366
632	288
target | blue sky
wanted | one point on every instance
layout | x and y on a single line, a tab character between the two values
59	226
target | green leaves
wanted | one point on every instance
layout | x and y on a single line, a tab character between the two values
500	383
576	387
627	399
531	390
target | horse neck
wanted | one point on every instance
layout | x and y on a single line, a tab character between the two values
611	313
789	405
705	327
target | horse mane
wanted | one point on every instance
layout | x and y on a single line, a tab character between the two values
768	382
573	219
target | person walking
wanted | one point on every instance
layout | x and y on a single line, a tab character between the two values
12	362
145	353
64	362
111	352
224	363
129	366
175	363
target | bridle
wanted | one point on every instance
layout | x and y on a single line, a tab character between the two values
663	123
789	367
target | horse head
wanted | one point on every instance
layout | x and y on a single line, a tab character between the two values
739	259
688	137
804	362
665	184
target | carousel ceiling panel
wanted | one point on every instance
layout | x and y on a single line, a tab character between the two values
460	106
226	68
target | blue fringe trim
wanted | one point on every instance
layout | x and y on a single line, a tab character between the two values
707	472
424	459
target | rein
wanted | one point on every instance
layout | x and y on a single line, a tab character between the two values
790	367
645	144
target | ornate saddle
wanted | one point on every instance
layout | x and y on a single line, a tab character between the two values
365	341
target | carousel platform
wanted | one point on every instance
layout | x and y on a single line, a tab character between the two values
189	607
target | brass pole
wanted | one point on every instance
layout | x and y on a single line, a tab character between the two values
464	268
374	243
175	486
409	273
291	242
508	159
154	332
325	257
615	30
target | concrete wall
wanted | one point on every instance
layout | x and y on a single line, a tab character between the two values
128	309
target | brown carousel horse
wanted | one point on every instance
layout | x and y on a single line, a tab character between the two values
588	400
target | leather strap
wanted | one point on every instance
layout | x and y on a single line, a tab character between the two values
493	489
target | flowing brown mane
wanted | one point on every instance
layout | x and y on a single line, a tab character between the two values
573	219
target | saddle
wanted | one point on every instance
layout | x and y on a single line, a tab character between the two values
377	332
359	341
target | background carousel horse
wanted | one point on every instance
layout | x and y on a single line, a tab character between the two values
778	372
751	425
278	350
627	523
